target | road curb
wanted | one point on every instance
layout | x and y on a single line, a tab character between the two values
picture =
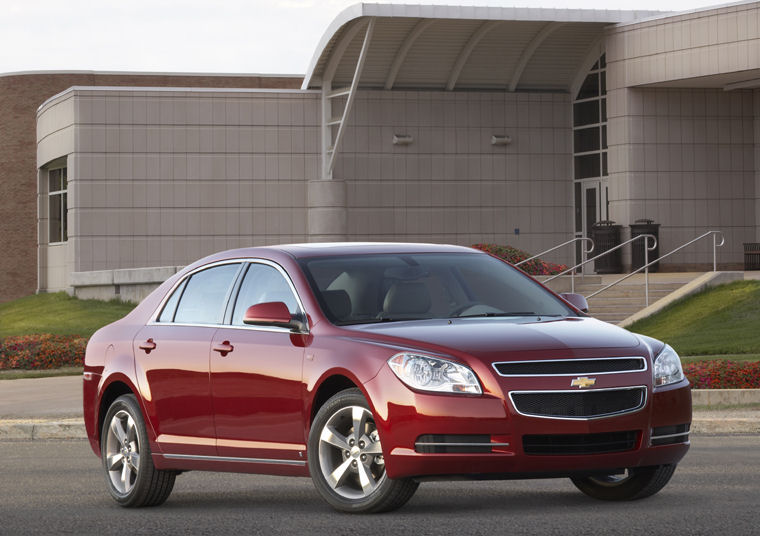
725	426
40	430
725	397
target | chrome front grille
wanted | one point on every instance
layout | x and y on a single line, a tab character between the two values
579	404
571	367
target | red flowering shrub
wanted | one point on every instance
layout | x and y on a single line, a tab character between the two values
514	255
722	374
42	351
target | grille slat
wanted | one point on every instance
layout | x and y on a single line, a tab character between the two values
569	367
579	444
579	405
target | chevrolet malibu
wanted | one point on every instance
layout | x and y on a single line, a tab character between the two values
372	368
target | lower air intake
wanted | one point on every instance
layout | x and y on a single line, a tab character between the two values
579	444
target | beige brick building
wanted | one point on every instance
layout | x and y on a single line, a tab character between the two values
418	123
20	96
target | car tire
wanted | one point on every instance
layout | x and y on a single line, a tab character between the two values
346	460
635	484
131	477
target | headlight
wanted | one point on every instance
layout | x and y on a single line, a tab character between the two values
667	367
434	374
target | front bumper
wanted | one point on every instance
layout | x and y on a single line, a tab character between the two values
404	417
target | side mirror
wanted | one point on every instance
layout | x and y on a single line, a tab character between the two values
576	300
272	314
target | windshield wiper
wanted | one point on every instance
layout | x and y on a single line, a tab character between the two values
380	320
489	315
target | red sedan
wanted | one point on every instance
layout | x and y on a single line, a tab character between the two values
372	367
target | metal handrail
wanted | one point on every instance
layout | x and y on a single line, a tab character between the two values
576	239
606	253
648	264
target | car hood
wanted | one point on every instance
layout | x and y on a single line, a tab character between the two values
492	338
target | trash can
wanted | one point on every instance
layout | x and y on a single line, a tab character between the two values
606	235
640	227
752	255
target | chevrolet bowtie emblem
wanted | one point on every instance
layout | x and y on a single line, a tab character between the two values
582	382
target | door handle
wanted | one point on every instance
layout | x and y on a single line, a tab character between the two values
148	346
224	348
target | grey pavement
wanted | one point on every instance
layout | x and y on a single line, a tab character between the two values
51	408
33	398
58	487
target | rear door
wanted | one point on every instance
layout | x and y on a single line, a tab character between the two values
172	361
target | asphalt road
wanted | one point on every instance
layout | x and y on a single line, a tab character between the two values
49	487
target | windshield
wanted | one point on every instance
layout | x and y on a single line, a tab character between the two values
355	289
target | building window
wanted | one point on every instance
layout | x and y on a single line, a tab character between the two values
590	124
590	152
58	205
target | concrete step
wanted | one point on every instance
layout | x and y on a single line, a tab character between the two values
627	293
629	297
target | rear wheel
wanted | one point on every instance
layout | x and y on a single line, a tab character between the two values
346	459
633	484
132	478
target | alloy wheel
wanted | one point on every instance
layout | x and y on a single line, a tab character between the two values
122	452
350	455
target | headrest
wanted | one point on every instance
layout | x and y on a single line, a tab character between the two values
338	302
407	297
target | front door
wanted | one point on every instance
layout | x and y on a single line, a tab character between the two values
591	206
591	211
256	376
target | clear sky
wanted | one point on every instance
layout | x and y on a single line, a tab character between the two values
212	36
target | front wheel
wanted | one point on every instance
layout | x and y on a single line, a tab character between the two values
131	476
346	459
633	484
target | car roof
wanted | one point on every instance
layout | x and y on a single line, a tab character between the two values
327	249
363	248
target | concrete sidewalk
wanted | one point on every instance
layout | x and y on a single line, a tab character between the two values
51	408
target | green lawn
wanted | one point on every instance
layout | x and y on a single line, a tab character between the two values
59	314
722	322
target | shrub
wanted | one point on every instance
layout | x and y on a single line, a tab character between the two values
41	351
514	255
723	374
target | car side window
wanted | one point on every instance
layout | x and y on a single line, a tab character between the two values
203	299
262	283
167	313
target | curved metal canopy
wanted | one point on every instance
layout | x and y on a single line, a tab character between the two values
460	47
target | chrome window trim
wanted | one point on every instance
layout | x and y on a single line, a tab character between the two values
231	459
646	367
242	261
643	404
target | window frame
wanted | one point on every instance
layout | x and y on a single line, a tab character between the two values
63	205
230	298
